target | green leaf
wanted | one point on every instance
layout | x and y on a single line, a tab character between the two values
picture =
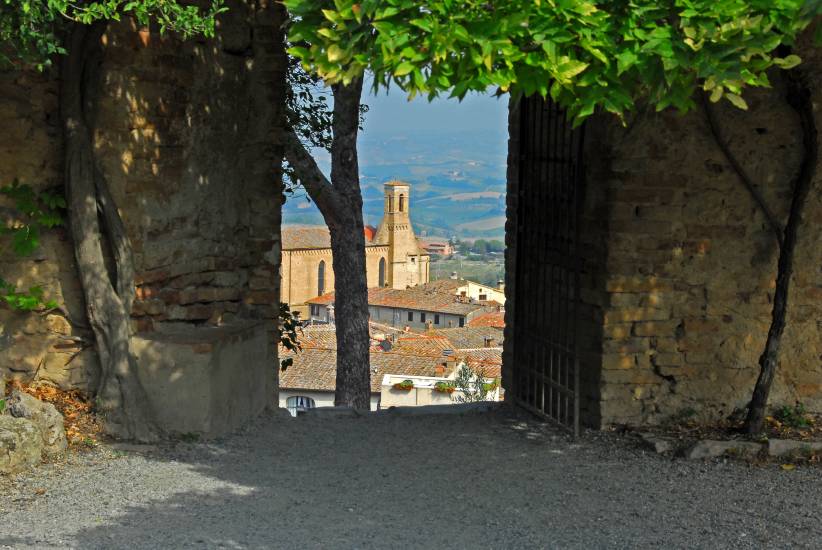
335	53
788	62
737	101
625	60
404	68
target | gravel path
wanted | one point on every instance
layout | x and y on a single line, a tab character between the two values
495	480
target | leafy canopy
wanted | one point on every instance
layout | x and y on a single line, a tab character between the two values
30	29
585	54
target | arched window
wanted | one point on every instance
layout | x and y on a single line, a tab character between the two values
402	203
382	273
299	404
321	278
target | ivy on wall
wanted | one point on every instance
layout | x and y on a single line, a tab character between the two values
33	213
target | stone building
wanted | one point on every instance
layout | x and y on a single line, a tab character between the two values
394	257
418	307
645	292
185	135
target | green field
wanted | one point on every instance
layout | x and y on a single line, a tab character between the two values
487	271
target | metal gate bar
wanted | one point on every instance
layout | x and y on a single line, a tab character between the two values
548	263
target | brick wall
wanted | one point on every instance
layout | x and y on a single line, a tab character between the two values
679	265
185	135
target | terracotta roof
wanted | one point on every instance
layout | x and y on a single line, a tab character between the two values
448	286
470	338
324	300
303	237
318	337
491	356
421	344
418	298
316	369
495	319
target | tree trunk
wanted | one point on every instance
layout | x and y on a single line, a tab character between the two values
348	250
799	97
340	203
120	396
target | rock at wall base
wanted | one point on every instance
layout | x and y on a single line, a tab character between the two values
782	447
655	443
45	416
21	444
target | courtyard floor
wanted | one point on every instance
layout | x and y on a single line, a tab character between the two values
493	480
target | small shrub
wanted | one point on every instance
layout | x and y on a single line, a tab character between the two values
444	387
794	417
405	385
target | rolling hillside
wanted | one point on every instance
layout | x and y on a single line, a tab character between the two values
458	182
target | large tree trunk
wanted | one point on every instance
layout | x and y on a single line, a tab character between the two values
348	249
120	396
799	97
340	202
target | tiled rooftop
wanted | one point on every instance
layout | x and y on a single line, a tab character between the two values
316	369
303	237
495	319
470	337
419	298
411	354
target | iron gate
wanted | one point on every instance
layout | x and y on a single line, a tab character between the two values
550	184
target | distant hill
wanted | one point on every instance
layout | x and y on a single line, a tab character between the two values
458	182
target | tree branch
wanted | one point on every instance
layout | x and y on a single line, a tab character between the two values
309	174
746	180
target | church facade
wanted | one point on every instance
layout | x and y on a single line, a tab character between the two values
394	257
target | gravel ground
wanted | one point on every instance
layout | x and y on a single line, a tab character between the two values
494	480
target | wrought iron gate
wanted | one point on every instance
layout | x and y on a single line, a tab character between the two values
550	184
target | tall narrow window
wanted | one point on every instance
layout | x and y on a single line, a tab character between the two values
321	278
382	273
391	204
402	203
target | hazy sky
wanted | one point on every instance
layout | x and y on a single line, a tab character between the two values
476	113
392	115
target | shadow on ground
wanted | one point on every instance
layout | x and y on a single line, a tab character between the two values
489	480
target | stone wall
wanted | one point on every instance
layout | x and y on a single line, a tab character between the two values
691	262
185	135
679	264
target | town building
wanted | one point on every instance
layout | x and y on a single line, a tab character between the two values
394	258
470	289
437	246
421	307
395	356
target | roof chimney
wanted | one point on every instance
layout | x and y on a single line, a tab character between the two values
454	275
501	285
489	341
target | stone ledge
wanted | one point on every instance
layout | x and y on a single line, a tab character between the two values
712	448
207	380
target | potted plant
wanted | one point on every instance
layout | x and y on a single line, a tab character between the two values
444	387
405	385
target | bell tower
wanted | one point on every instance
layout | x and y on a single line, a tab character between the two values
407	264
